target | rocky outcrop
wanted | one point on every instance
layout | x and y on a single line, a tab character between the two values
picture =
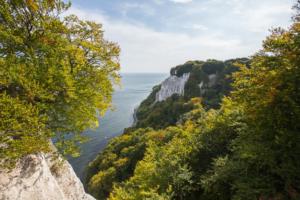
172	85
41	177
212	80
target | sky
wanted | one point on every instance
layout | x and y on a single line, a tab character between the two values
155	35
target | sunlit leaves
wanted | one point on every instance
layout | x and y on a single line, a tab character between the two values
22	131
247	149
63	68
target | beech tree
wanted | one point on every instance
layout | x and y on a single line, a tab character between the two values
248	149
56	75
265	159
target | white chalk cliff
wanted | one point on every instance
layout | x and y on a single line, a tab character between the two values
172	85
40	177
212	79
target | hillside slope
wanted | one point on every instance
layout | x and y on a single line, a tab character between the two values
167	105
168	101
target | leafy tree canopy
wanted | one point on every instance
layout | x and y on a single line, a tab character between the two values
55	74
247	149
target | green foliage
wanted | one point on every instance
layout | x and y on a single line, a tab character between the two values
117	162
62	69
22	130
213	66
174	169
162	114
166	113
246	149
265	163
185	68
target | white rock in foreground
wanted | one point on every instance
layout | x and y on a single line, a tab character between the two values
38	177
172	85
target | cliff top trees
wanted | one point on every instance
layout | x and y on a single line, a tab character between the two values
248	149
54	75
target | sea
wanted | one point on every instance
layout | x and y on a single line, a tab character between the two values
135	87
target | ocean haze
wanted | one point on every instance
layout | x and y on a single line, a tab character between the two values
135	88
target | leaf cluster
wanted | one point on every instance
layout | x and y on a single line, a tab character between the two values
246	149
55	75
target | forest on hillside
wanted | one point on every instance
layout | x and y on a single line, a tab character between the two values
239	142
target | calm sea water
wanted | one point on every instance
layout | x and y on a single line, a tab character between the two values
135	88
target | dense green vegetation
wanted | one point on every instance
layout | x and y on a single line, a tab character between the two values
117	162
247	148
165	113
162	114
237	138
54	74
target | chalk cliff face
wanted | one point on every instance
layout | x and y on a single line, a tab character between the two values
209	80
212	80
172	85
40	177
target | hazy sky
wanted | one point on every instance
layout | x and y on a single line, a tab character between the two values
155	35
